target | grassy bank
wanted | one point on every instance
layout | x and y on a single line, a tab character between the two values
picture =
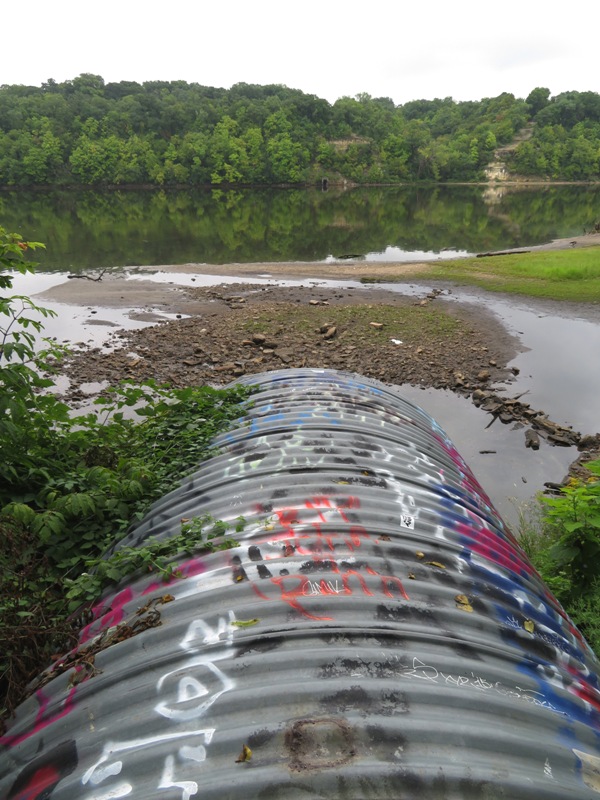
556	274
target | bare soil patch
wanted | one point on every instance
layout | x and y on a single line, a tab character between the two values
245	329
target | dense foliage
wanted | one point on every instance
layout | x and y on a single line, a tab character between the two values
86	131
565	549
69	488
566	137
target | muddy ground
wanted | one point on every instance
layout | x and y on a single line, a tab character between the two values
243	329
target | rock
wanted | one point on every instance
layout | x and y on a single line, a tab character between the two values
530	412
286	354
228	367
330	332
484	375
532	440
589	442
561	438
492	407
259	338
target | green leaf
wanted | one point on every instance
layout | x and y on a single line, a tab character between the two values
573	526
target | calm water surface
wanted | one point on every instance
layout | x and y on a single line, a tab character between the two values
85	230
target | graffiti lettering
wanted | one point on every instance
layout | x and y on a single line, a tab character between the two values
292	588
187	692
427	672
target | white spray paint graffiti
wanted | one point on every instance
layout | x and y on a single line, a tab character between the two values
187	692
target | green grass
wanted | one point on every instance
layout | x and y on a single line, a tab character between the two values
559	274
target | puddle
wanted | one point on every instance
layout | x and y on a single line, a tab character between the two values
188	279
392	254
88	325
511	474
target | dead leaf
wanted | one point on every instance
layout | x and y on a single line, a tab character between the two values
436	564
245	623
245	755
529	626
463	603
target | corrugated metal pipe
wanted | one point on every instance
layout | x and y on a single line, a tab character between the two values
375	633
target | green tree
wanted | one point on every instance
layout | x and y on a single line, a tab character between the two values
537	100
97	161
227	153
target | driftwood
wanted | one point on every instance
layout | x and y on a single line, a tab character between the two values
502	253
87	277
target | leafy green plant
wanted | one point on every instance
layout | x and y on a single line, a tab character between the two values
577	513
198	535
564	544
71	487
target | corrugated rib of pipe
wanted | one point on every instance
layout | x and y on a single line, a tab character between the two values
376	633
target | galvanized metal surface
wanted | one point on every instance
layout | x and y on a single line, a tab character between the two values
377	633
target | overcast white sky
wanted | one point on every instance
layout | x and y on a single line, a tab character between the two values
466	49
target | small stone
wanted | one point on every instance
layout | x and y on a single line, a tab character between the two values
286	354
377	325
484	375
259	338
330	332
532	440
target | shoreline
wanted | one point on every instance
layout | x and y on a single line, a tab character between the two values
116	290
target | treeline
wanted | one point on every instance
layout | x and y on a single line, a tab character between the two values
566	137
88	132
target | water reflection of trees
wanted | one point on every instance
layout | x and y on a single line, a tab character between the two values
91	229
